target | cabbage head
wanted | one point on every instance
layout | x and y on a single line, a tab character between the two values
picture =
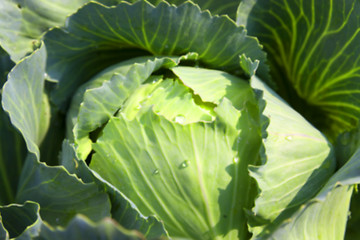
156	120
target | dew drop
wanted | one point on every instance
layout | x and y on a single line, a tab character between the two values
184	164
180	119
156	172
289	138
139	107
236	160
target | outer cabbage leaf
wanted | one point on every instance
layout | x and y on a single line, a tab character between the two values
22	22
313	50
227	7
100	36
24	223
24	99
297	162
328	210
16	217
60	195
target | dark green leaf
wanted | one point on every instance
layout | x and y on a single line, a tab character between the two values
24	223
22	22
98	36
16	218
346	145
352	226
5	66
82	228
12	155
12	146
3	233
313	48
60	195
216	7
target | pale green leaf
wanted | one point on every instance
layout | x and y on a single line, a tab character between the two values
321	220
162	96
122	210
23	98
324	217
297	161
102	96
192	176
248	65
213	85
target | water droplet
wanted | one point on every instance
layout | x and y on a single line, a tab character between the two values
46	76
236	160
156	172
57	220
184	164
139	107
154	81
238	140
289	138
180	119
149	96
